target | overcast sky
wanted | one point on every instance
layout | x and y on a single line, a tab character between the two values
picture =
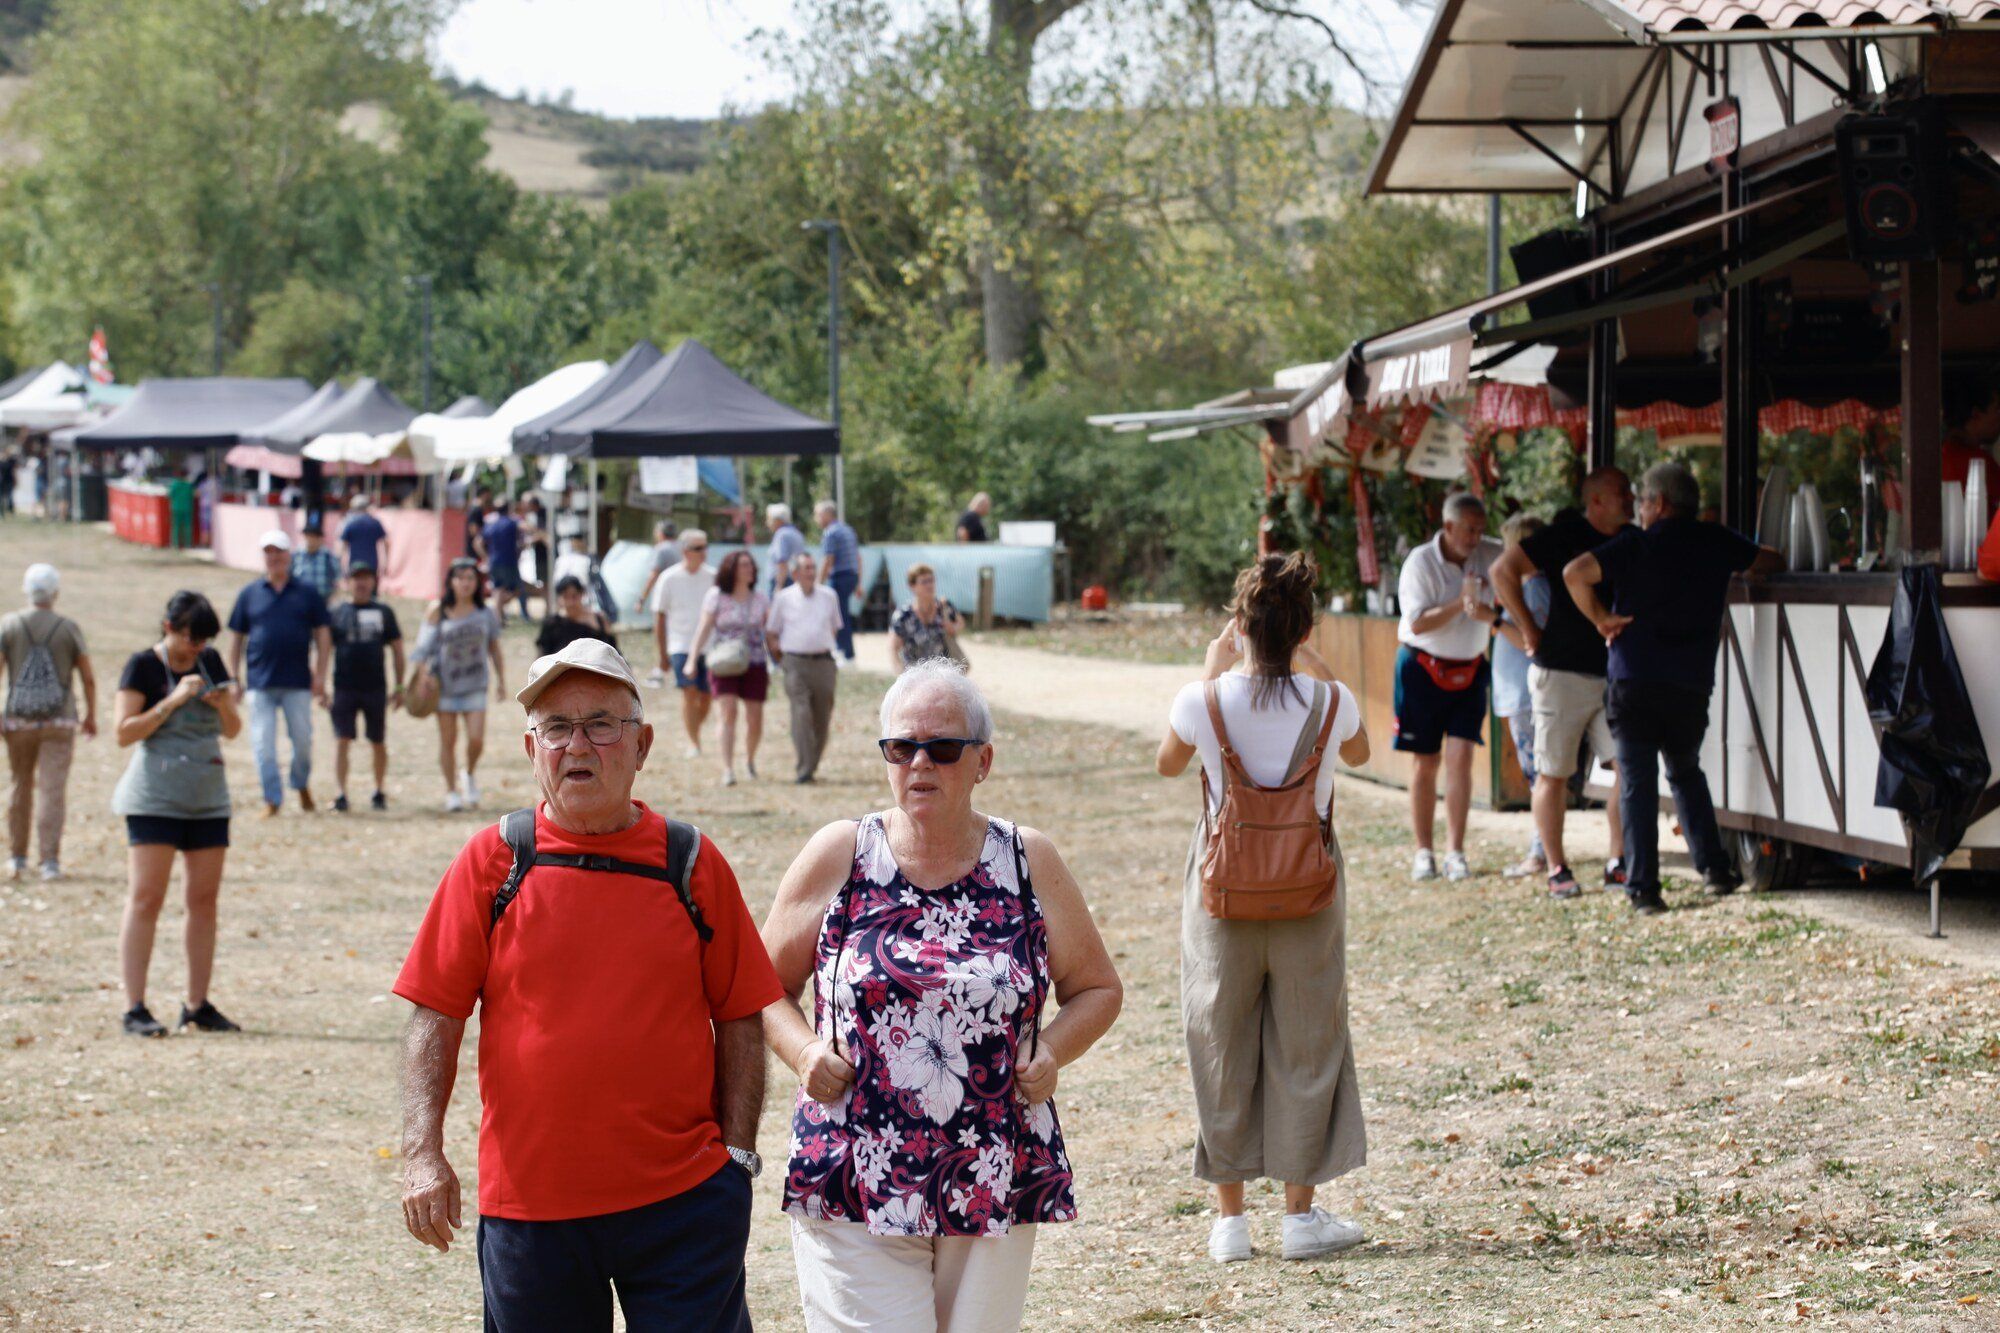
689	57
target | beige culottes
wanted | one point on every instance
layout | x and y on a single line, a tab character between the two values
1264	1004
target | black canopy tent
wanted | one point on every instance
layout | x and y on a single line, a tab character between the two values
689	403
183	414
367	408
281	424
534	436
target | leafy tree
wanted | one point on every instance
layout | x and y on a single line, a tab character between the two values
186	143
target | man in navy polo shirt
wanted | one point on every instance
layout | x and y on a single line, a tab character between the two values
285	626
1669	589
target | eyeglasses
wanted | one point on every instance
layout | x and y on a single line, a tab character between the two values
557	734
942	749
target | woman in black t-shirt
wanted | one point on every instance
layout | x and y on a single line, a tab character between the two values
176	706
572	619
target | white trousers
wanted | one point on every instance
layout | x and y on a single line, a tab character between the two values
855	1282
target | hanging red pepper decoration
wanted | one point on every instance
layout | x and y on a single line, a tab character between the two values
1364	530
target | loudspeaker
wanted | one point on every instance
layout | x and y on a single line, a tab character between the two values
1893	180
1552	252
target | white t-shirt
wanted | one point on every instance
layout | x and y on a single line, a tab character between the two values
1263	738
1430	580
677	595
805	624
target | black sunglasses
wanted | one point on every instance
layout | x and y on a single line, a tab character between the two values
942	750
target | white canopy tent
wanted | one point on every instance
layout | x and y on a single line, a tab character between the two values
453	440
54	398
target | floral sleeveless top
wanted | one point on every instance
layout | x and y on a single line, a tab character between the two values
933	997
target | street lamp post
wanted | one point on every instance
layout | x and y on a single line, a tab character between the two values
832	230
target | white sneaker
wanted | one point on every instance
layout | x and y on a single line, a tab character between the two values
453	803
51	870
18	867
471	790
656	678
1455	866
1229	1240
729	777
1424	866
1311	1235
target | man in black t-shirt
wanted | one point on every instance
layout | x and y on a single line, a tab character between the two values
1669	589
362	629
972	523
1566	677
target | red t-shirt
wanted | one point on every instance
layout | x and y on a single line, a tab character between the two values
596	1059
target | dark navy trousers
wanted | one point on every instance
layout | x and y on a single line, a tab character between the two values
676	1264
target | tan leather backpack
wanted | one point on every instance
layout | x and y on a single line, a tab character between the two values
1267	856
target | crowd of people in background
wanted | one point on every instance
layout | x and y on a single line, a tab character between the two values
1623	683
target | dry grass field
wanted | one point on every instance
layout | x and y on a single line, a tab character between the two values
1730	1116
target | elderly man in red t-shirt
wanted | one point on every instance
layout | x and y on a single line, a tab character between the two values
621	1057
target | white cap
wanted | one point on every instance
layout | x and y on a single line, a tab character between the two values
593	655
41	582
275	540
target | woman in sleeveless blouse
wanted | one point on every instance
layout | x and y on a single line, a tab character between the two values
926	1148
1264	1003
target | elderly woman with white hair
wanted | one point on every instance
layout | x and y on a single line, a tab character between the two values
46	659
926	1150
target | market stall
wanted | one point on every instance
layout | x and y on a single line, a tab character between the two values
175	417
1788	256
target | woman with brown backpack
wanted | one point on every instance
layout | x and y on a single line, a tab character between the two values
1264	914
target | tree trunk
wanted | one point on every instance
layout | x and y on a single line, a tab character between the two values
1006	262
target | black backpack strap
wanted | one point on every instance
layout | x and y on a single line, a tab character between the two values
517	830
683	846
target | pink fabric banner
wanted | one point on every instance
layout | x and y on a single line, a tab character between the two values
422	542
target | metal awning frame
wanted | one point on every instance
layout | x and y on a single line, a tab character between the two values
1607	169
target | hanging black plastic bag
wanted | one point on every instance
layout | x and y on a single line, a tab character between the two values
600	592
1934	767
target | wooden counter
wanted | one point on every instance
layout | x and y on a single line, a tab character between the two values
1362	649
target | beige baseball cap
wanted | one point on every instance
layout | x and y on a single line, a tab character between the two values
592	655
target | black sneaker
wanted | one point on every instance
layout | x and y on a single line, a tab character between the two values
1648	904
1720	884
378	802
1562	884
207	1018
139	1022
1614	873
340	803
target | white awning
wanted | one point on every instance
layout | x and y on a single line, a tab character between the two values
480	439
51	399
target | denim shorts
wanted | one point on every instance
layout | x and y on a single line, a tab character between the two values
685	679
472	701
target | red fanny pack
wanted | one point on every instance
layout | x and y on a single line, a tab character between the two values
1447	674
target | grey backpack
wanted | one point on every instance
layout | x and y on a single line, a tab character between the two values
36	692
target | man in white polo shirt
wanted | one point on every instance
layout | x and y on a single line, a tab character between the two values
675	603
1442	673
802	630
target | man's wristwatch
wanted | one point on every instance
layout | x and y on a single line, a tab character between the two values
748	1160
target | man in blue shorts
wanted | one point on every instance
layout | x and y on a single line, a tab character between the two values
1441	674
675	604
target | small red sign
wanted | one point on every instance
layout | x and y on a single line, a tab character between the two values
1725	125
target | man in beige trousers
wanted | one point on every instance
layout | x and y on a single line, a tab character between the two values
802	631
46	655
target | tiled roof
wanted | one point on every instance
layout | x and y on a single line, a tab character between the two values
1661	16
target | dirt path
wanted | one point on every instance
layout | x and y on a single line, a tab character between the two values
1731	1116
